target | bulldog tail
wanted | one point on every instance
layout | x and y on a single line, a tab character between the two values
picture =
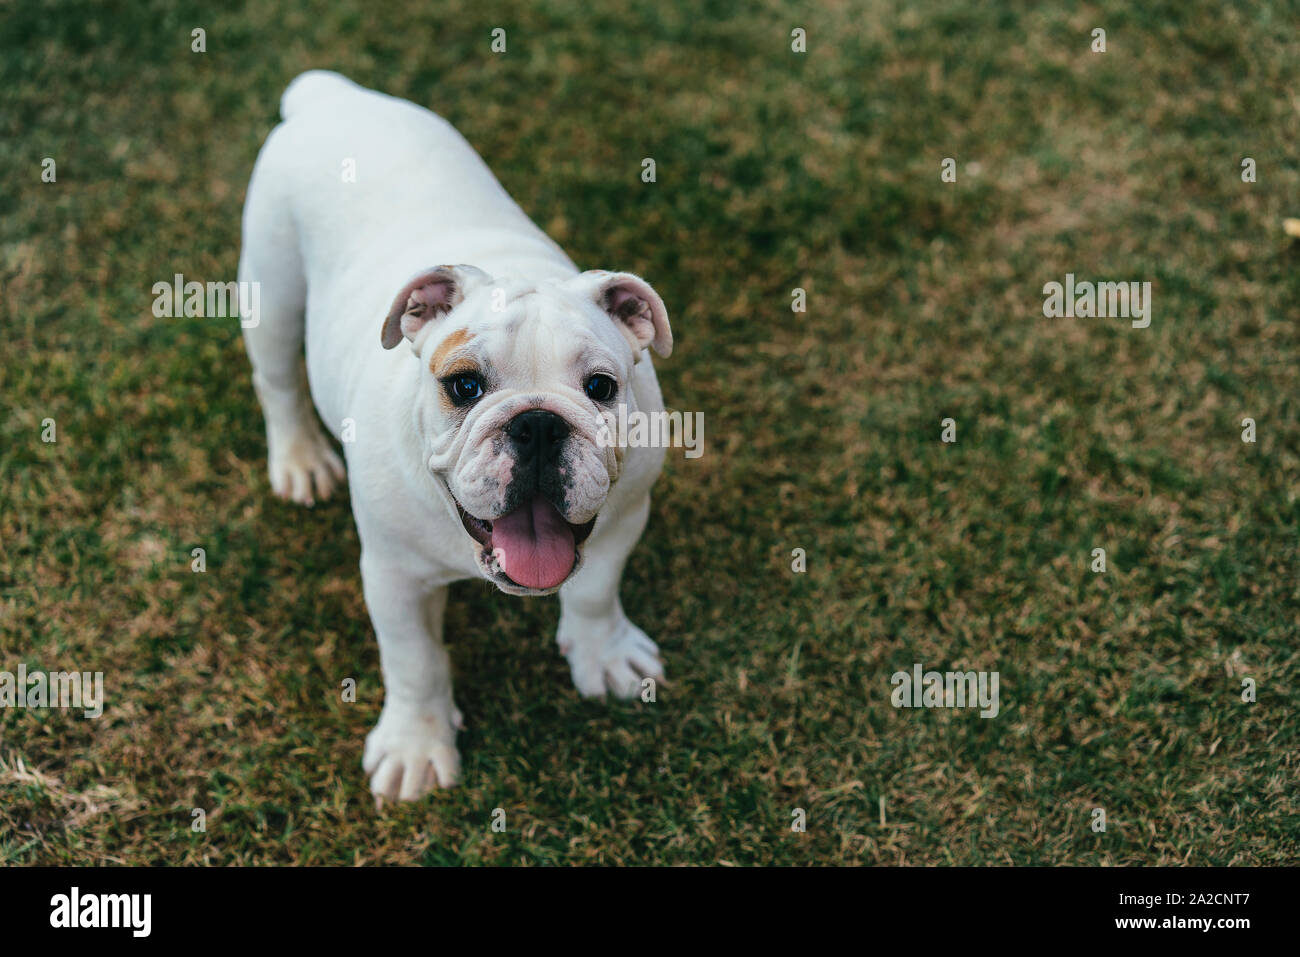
307	88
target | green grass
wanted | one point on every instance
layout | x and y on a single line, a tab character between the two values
775	171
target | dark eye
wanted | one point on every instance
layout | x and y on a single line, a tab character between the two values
601	387
464	388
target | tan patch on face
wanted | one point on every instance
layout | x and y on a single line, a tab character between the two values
459	367
453	368
454	341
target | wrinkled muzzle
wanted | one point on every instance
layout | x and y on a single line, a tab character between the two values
529	475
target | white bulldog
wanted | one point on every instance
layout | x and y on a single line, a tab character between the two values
469	399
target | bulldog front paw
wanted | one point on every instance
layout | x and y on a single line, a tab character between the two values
304	466
412	751
618	664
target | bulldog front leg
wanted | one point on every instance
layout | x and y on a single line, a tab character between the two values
412	749
606	652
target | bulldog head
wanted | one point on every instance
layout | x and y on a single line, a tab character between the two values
519	389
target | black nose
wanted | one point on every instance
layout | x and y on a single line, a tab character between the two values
537	435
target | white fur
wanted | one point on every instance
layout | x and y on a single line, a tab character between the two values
330	256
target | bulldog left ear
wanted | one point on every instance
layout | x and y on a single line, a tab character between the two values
632	304
426	297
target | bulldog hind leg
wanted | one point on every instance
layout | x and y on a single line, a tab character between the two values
303	465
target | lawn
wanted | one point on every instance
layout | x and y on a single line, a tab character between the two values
775	171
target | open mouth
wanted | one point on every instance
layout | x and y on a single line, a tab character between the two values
533	545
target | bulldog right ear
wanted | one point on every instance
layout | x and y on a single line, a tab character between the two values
633	304
426	297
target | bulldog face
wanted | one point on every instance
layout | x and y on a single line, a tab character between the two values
518	378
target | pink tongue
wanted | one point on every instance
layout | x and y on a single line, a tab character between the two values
534	545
